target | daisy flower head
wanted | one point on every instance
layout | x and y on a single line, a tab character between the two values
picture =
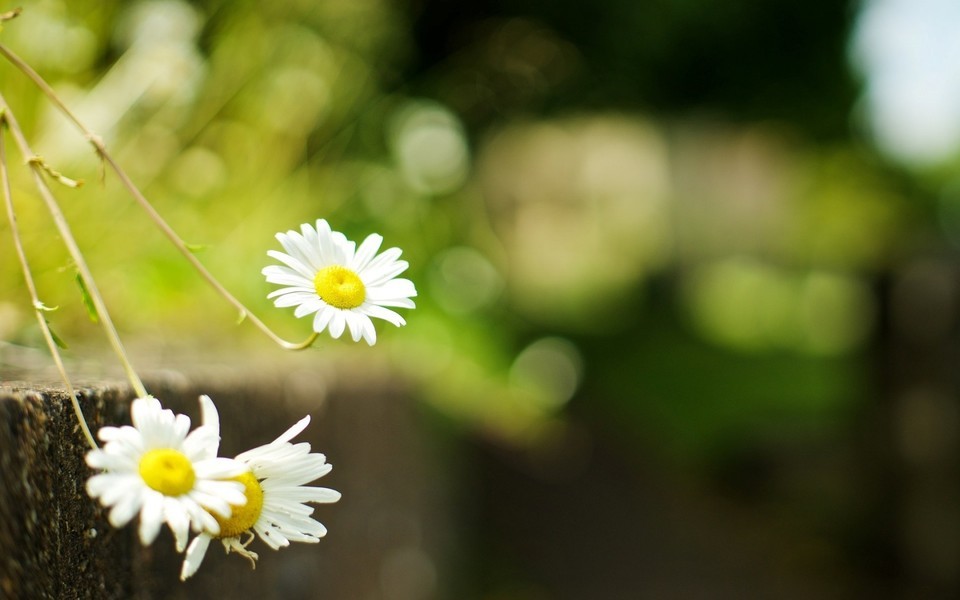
160	470
343	286
276	508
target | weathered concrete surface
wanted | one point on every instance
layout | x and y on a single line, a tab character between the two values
386	536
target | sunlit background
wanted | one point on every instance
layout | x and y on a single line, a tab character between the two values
688	270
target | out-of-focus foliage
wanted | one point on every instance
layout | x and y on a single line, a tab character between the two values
236	121
545	168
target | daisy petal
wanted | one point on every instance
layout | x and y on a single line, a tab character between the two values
366	252
386	314
151	518
177	517
337	323
322	318
194	556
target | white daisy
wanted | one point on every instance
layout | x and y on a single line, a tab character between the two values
343	286
157	469
276	497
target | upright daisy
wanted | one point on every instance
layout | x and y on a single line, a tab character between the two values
155	468
276	497
343	286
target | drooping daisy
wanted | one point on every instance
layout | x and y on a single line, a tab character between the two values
276	497
155	468
342	286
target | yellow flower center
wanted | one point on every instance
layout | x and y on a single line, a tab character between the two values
243	517
168	471
340	287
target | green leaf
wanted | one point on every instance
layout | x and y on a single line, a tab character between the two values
87	300
56	338
196	248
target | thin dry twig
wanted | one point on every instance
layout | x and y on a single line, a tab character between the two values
10	14
38	307
97	142
64	228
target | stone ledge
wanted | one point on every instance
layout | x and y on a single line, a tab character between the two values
56	543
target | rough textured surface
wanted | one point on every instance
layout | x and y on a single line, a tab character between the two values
54	542
384	536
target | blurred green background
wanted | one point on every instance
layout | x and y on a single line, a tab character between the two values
687	269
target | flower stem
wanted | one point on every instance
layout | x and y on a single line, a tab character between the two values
152	213
64	228
32	288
